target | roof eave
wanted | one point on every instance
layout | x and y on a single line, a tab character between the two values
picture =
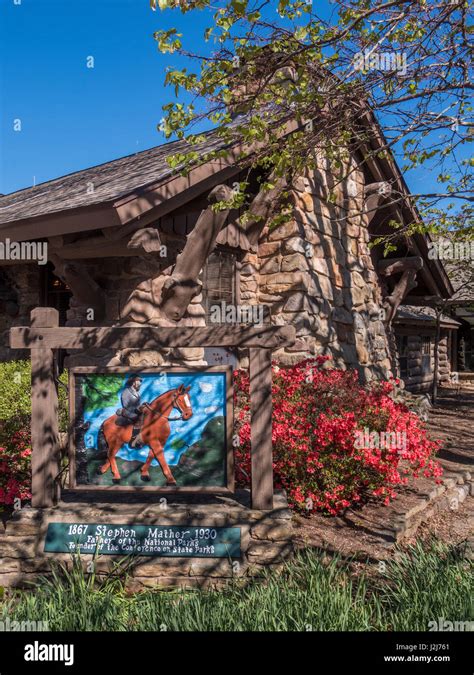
388	168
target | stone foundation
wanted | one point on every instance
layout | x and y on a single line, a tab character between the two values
266	540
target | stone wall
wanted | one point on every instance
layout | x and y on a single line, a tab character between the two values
24	281
266	541
316	273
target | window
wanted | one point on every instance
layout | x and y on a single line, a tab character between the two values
426	345
426	353
402	348
219	277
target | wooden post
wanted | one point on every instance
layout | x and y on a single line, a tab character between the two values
260	370
454	351
434	390
44	415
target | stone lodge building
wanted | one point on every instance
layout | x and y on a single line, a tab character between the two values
132	242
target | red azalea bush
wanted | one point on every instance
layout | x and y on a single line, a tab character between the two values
321	420
15	438
15	457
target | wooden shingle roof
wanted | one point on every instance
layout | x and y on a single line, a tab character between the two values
413	313
462	278
105	183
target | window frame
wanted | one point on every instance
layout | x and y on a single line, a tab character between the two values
402	352
235	276
426	342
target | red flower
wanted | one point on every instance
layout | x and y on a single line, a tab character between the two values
15	457
320	416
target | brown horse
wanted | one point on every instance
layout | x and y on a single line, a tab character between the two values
155	432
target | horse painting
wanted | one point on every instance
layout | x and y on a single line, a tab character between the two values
155	432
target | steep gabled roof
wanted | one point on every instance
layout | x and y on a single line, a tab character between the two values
143	187
99	184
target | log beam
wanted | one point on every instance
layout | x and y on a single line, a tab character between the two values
389	266
182	285
141	242
433	301
409	267
83	287
146	239
261	209
374	196
119	337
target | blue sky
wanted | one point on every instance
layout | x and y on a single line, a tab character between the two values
72	116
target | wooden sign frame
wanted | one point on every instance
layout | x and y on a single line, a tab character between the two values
229	486
44	336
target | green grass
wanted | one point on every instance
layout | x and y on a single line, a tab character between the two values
422	585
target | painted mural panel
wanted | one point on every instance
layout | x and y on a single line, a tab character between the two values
167	427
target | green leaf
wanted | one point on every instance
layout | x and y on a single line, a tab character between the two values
301	33
239	6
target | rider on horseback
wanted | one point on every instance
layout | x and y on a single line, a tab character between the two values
132	409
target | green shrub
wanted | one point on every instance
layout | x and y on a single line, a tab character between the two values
15	389
15	393
15	432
